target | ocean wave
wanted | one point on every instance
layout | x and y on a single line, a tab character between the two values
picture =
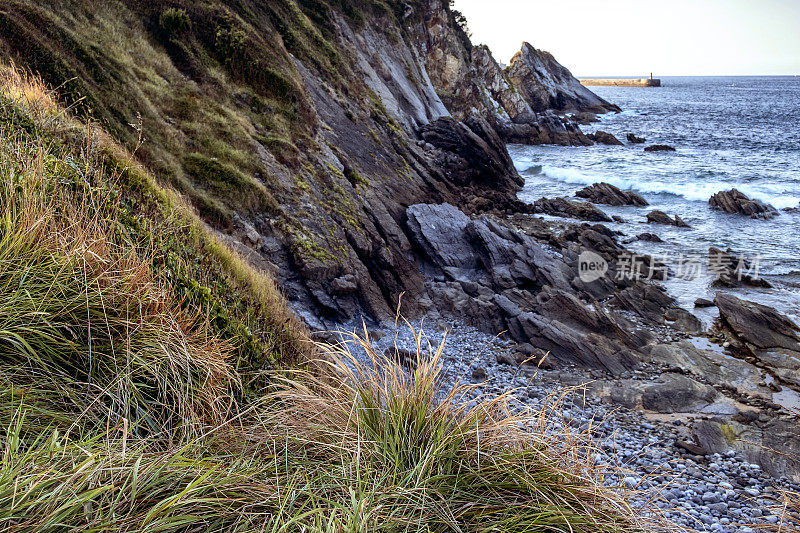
699	192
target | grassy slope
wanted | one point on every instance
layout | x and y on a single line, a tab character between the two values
132	387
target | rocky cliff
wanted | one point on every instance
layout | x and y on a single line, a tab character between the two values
301	131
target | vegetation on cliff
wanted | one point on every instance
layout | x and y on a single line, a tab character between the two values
152	381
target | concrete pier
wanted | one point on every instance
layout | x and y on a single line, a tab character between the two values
622	82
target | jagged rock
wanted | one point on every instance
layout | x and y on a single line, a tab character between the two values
659	148
732	271
757	325
546	84
561	207
345	284
499	279
633	139
603	137
703	302
734	201
605	193
660	217
649	237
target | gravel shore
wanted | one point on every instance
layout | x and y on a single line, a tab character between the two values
716	492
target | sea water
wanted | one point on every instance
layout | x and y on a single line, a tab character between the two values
729	132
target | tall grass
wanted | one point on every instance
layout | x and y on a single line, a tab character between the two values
418	457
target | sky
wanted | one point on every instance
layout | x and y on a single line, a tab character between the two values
636	37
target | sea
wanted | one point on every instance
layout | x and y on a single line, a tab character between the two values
729	132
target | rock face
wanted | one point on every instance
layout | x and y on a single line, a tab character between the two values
660	217
605	193
659	148
734	201
546	84
561	207
603	137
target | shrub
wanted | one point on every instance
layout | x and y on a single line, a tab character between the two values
175	21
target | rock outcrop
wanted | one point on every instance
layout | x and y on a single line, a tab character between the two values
603	137
561	207
734	201
659	148
732	270
660	217
498	278
605	193
633	139
546	84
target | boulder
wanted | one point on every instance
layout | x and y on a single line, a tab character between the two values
605	193
561	207
660	217
732	270
603	137
682	320
633	139
734	201
703	303
757	325
659	148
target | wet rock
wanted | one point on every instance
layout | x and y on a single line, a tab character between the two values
731	270
561	207
649	237
659	148
703	303
660	217
633	139
757	325
605	193
603	137
734	201
683	320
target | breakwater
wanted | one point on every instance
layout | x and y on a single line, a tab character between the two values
622	82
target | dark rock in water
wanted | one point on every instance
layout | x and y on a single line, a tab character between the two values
703	303
633	139
617	218
605	193
649	237
659	148
603	137
584	118
757	325
660	217
561	207
732	271
734	201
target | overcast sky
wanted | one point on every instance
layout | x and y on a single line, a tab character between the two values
635	37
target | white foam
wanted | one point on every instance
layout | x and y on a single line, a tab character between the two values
700	192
